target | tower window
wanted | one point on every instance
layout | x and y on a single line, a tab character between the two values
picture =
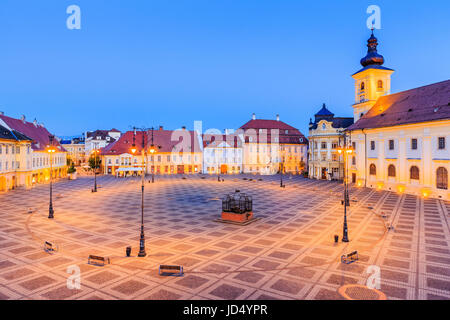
414	144
372	145
362	87
380	84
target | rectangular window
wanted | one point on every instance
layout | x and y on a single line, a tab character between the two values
413	144
372	145
17	150
354	145
324	145
168	158
441	142
391	144
0	149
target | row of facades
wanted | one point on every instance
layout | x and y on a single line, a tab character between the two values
399	142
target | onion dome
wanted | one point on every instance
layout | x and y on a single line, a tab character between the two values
372	57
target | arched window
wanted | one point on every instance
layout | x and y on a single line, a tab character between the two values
380	84
391	170
414	173
362	86
442	178
373	170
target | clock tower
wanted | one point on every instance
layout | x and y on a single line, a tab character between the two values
372	81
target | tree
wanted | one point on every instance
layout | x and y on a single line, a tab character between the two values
94	162
71	169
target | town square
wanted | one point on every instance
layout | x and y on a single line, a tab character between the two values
224	158
289	253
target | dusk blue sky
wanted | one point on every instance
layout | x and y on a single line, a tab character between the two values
169	63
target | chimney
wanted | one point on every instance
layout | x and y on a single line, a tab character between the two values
253	116
35	122
160	128
23	118
278	117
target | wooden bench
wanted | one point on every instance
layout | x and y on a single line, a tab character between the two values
50	247
97	260
350	258
170	270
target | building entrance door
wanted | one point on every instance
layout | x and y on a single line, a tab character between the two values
2	184
180	169
223	169
324	173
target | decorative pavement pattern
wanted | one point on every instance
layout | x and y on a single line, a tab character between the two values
288	254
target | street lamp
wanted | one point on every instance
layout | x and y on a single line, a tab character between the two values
142	252
51	150
152	151
345	151
95	152
281	175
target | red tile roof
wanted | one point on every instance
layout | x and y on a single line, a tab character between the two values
38	133
161	138
293	135
421	104
214	140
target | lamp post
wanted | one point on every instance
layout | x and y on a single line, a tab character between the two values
281	175
152	150
345	151
142	252
51	150
95	152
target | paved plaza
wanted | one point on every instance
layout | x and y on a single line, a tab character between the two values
287	254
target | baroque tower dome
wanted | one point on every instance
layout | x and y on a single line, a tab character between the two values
372	57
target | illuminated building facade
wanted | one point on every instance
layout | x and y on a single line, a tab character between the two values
325	136
29	159
271	144
401	140
179	153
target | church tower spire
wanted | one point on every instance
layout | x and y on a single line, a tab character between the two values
372	81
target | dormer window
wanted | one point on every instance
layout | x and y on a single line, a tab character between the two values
324	126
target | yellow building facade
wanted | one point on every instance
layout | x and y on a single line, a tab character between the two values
401	140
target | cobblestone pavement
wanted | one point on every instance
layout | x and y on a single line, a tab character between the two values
288	254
